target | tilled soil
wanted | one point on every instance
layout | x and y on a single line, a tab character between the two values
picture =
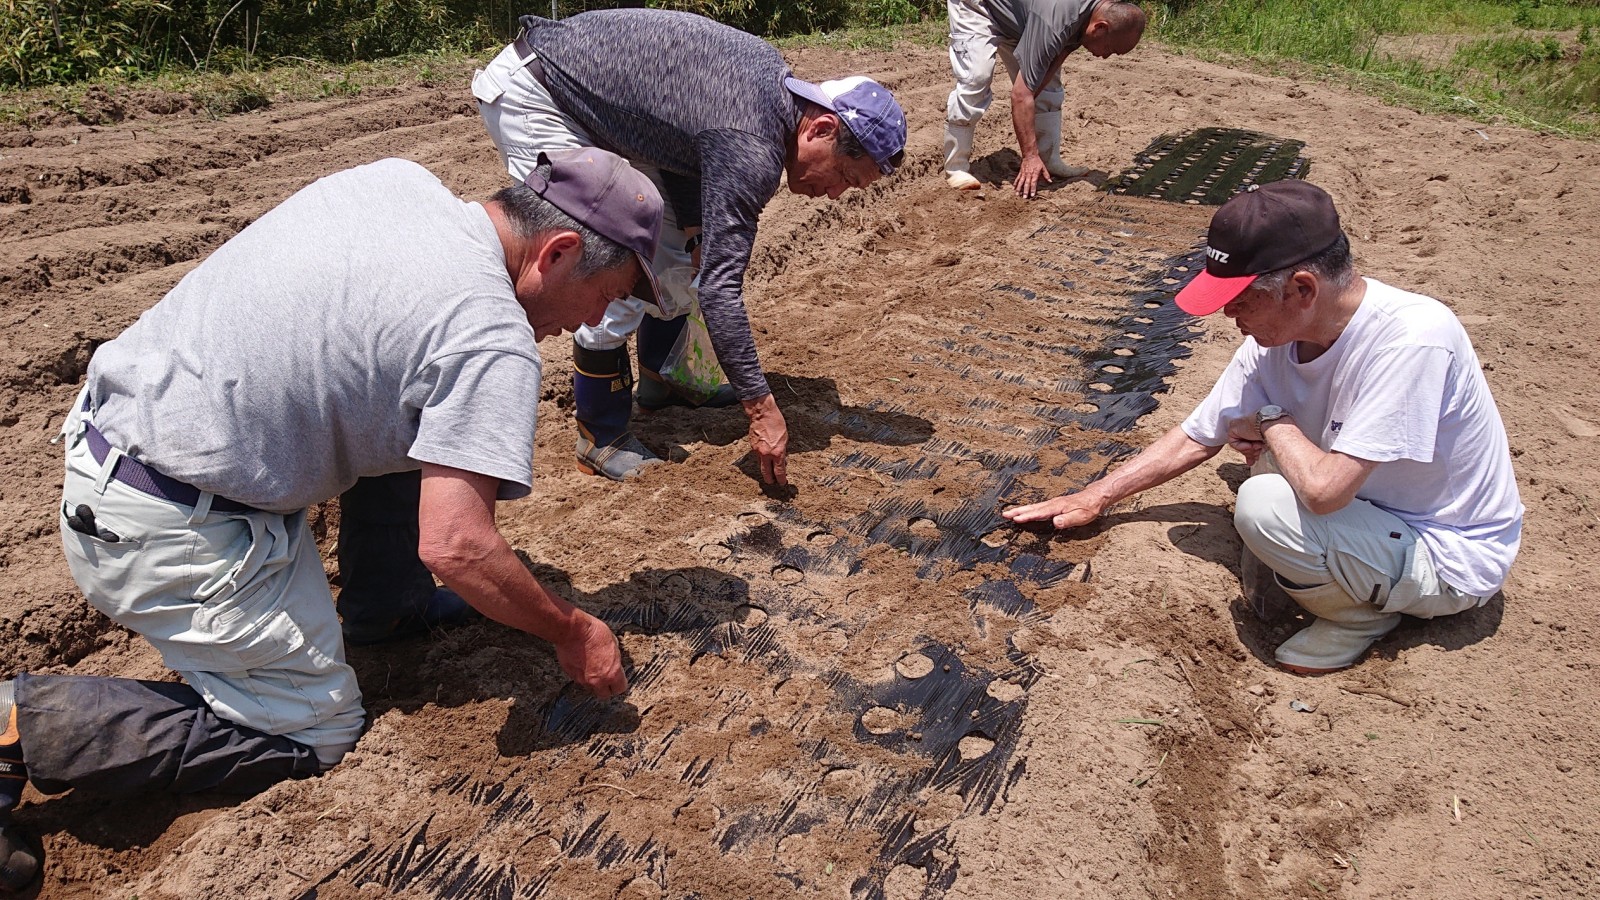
874	688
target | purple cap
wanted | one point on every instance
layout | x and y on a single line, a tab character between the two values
601	191
866	108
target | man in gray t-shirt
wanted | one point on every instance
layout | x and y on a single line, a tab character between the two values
1032	38
374	337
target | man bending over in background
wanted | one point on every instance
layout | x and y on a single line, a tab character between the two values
712	115
1033	39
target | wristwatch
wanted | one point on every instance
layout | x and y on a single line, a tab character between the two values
1267	414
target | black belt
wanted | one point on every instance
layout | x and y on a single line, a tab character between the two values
142	478
534	67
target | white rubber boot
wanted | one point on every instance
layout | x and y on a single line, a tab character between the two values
958	157
1047	128
1343	630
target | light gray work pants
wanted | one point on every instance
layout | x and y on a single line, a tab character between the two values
1372	554
236	603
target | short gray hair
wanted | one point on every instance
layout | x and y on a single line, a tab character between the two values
531	215
1333	266
1124	16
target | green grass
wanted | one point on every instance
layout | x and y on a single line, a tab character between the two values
223	93
1534	63
930	32
290	79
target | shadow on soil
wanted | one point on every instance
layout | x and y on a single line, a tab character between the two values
999	169
812	411
549	711
1262	636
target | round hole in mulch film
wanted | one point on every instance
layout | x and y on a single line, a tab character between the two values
880	720
913	666
975	745
821	538
787	575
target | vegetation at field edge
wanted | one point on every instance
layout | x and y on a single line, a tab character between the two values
1531	62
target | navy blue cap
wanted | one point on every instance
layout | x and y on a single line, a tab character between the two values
866	108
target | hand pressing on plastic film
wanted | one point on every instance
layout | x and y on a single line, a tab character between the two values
1066	511
769	438
592	658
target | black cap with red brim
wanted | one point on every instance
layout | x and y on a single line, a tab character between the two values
1264	229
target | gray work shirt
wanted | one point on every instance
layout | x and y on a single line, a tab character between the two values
365	326
1043	31
706	105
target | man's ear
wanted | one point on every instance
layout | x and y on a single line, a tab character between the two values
1096	28
559	251
1303	287
825	125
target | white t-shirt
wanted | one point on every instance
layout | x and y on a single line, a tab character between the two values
367	325
1402	387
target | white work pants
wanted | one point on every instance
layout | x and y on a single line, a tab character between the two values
973	48
1374	555
523	121
237	603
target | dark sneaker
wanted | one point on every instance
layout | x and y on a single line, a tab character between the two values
21	860
445	609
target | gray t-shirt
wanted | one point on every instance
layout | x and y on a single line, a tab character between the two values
365	326
706	105
1043	31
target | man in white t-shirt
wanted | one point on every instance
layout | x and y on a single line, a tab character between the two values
1382	481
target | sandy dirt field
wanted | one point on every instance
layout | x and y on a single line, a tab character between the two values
873	688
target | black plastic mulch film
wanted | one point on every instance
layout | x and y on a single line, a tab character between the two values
937	711
1209	165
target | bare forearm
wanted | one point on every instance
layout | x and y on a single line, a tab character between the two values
485	571
1022	119
1324	482
1172	455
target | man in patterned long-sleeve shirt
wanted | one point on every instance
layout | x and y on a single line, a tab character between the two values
715	117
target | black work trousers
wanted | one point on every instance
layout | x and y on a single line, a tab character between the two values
382	579
118	737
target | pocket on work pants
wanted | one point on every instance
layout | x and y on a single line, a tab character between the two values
487	85
241	621
1369	559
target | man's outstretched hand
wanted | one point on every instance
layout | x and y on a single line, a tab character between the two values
1027	183
1066	511
769	438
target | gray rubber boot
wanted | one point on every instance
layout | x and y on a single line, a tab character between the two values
617	461
1343	630
602	384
